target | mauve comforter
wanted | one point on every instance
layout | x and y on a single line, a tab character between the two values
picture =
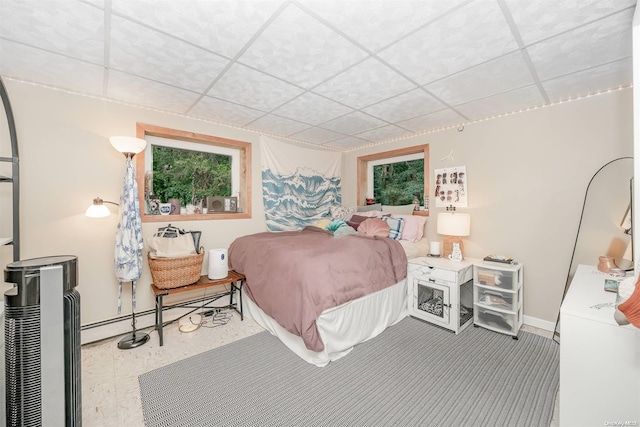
294	276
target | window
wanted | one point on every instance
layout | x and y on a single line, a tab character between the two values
189	167
391	176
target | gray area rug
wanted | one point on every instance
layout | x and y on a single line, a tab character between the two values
413	374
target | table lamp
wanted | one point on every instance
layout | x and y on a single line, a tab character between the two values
453	225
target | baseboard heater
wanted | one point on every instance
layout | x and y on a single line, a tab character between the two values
42	343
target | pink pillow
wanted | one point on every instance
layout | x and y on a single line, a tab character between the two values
413	229
374	227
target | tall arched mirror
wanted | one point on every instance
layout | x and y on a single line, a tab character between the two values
605	227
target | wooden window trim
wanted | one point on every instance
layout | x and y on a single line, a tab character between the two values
143	130
362	162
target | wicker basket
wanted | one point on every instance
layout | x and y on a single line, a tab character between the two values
170	273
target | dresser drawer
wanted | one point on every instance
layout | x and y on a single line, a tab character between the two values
496	298
501	279
507	323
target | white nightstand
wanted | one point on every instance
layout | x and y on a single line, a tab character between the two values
441	291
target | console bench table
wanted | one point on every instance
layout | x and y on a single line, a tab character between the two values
235	280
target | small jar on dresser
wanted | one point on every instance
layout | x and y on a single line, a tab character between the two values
441	291
497	297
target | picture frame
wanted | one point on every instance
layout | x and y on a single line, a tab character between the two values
451	187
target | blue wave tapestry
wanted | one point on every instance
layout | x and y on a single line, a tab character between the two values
299	185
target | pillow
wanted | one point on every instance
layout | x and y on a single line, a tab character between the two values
374	227
376	207
395	226
400	210
323	223
373	214
340	212
356	220
343	231
413	227
336	224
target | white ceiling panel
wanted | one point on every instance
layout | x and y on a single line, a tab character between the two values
343	74
71	28
138	50
500	75
38	66
437	50
591	45
414	103
243	85
299	49
537	20
378	22
602	78
224	112
148	93
353	123
313	109
276	125
223	28
504	103
364	84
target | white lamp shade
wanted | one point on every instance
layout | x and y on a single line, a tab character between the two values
128	144
454	224
97	211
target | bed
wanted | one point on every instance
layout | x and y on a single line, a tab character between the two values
321	295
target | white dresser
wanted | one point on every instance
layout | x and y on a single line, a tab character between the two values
599	360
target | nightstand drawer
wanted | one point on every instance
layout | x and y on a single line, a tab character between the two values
426	272
496	298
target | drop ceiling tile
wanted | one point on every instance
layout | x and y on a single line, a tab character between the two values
148	93
317	135
299	49
313	109
432	121
598	79
352	123
585	47
222	26
243	85
537	20
275	125
402	107
384	133
71	28
493	77
138	50
375	23
458	41
38	66
220	111
347	143
504	103
364	84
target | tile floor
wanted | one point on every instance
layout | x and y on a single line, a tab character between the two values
110	390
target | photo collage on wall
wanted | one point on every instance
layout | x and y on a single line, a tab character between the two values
451	187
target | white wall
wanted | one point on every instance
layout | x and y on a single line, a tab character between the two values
527	174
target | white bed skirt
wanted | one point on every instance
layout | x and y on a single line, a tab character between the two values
342	327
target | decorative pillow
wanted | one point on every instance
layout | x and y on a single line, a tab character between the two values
395	226
374	227
356	220
376	207
340	212
343	231
413	227
373	214
336	224
399	210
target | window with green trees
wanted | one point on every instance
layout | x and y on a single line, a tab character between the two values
190	175
399	183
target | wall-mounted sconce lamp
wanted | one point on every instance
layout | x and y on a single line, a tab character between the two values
98	208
